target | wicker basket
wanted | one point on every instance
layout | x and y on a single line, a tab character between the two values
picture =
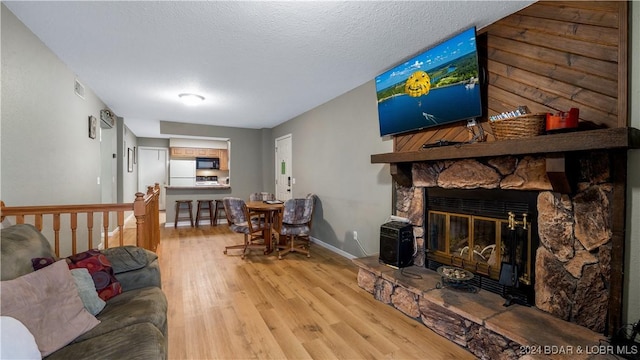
519	127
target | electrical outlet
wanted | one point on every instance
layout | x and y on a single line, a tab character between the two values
355	235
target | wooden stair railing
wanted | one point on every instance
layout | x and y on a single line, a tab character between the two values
145	208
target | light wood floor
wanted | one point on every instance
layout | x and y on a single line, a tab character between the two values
224	307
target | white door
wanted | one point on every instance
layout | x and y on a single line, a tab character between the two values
284	175
152	168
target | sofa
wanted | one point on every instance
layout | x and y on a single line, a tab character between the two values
120	313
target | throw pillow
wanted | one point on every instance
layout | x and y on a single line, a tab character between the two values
87	291
47	303
101	271
41	262
126	258
17	342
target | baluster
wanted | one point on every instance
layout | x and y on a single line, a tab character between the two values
38	222
121	227
139	212
19	219
56	231
90	228
105	225
74	227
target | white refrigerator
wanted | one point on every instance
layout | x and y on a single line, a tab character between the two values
182	172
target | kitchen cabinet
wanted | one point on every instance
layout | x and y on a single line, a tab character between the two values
183	152
224	159
187	152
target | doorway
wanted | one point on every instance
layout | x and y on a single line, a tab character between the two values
152	168
284	173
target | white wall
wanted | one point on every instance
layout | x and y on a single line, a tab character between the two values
632	256
47	156
332	148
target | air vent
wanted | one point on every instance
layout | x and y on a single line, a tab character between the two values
107	119
78	88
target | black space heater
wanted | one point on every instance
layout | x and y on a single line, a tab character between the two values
396	244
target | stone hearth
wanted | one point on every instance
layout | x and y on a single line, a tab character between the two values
478	321
573	260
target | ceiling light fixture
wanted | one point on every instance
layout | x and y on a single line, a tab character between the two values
191	99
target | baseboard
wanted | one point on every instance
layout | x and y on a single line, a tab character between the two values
332	248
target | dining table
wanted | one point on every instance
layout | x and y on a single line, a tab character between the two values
272	210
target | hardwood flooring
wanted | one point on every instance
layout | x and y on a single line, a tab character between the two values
225	307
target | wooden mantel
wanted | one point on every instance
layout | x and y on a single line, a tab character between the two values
554	146
615	138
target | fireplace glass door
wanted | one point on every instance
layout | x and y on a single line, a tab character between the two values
467	241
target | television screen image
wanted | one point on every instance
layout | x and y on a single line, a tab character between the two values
438	86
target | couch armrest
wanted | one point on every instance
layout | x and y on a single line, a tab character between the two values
134	267
140	278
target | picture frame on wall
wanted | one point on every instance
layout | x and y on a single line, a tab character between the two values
129	160
93	126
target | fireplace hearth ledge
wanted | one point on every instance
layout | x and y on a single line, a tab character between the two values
524	331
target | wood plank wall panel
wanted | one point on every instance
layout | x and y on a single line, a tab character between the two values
550	56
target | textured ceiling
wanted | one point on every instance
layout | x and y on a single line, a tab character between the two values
258	64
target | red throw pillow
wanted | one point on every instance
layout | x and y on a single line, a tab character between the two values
100	269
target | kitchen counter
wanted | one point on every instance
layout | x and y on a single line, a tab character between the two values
194	193
200	187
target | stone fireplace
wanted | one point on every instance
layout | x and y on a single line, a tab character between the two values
571	258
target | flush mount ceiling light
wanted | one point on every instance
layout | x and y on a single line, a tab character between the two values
191	99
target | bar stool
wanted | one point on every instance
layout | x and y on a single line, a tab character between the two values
219	208
204	206
183	205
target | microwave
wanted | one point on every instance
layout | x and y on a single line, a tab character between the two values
207	163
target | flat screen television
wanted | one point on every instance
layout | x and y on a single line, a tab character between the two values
439	86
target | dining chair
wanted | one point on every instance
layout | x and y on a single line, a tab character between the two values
241	221
258	196
295	224
313	197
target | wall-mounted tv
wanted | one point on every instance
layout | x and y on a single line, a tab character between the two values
436	87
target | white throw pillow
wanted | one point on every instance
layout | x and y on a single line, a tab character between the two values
16	342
